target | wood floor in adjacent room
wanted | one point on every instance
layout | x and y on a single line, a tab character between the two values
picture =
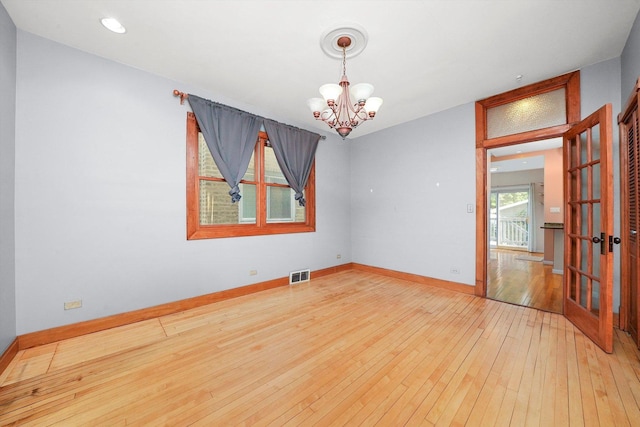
351	348
522	282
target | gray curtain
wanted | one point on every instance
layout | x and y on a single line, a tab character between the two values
295	150
231	136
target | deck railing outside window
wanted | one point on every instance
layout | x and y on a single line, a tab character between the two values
509	232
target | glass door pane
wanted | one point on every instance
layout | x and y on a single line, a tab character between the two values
512	218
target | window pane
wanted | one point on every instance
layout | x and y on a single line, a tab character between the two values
572	285
535	112
300	212
282	206
595	142
207	166
216	206
584	289
586	246
584	144
584	223
573	152
595	297
272	172
247	204
279	203
595	171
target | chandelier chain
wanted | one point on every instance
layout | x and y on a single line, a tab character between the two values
344	60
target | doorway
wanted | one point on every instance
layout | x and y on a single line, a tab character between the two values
552	109
519	270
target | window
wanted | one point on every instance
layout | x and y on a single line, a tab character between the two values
267	205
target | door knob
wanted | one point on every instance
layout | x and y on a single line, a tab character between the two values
613	240
601	240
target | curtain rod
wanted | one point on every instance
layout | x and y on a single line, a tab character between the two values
184	96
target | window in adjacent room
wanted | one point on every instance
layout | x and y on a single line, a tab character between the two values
267	205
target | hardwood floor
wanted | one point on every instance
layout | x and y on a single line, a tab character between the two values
353	348
527	283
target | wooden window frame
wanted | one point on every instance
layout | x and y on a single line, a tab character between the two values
571	83
195	230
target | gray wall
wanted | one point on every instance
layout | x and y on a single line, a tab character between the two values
100	195
100	178
600	84
410	188
631	60
7	170
411	185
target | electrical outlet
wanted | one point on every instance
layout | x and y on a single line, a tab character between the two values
70	305
469	208
253	272
455	270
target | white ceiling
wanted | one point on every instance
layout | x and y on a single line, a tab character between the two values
515	165
526	155
422	56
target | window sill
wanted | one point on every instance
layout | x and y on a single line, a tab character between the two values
242	230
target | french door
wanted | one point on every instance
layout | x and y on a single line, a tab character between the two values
588	272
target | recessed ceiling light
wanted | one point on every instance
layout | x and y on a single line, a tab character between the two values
114	25
519	151
519	77
494	169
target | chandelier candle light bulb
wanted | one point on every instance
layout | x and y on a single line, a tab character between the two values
348	107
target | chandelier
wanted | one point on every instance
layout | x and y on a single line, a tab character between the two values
343	107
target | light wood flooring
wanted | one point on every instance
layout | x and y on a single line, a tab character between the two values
352	348
528	283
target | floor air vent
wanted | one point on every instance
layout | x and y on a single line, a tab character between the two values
299	276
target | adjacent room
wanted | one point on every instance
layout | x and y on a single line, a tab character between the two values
521	255
272	212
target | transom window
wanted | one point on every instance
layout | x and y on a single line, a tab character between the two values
267	205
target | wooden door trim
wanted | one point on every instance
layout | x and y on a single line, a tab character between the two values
630	107
571	83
